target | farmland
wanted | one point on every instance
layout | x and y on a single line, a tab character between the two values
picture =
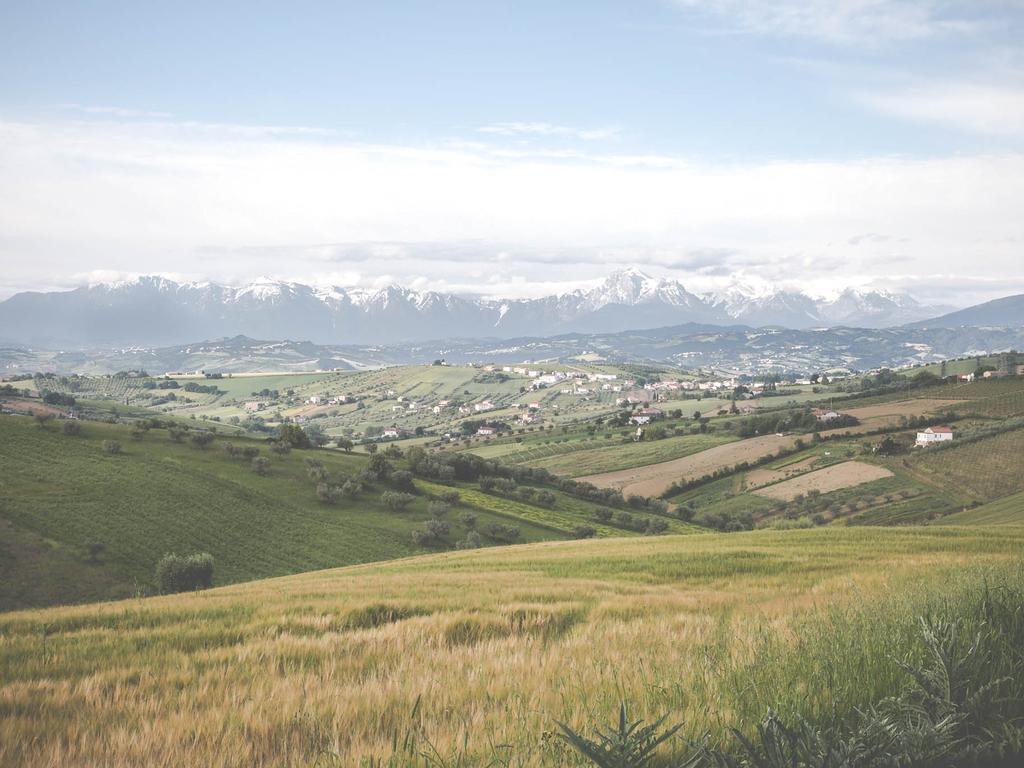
974	471
1006	511
833	478
654	479
60	494
584	459
475	655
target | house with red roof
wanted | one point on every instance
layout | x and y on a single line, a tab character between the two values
933	435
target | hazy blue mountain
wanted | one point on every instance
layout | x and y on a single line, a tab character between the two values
1006	312
155	311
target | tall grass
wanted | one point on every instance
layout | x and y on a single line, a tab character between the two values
497	645
960	702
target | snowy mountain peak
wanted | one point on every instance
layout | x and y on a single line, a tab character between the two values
628	299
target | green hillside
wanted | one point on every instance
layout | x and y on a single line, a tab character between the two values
59	494
1006	511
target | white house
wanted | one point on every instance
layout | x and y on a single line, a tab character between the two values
313	400
486	431
933	435
825	415
255	405
391	432
485	405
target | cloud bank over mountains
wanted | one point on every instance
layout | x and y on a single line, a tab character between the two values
231	203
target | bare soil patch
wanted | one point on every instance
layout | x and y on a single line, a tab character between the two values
656	478
844	475
901	408
759	477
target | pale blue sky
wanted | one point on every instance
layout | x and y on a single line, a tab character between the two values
165	110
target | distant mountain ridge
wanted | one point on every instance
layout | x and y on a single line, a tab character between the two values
154	310
1007	311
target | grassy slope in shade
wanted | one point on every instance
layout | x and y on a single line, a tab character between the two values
58	493
1007	511
497	644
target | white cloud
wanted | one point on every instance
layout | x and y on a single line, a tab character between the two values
841	21
992	110
231	203
547	129
117	112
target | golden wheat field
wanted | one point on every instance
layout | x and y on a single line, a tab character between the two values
473	656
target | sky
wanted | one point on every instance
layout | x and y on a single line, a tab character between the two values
516	148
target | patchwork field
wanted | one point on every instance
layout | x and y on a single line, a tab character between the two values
471	657
655	479
607	458
845	475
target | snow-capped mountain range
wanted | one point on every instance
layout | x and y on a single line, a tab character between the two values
154	310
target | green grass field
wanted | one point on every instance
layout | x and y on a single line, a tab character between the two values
613	455
1005	511
471	657
60	493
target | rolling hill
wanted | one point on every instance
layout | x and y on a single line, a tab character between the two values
470	658
60	494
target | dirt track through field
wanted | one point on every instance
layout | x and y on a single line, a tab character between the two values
832	478
655	479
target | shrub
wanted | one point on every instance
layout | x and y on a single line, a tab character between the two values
546	499
501	532
402	480
293	435
437	509
177	434
432	533
525	493
95	549
351	489
111	447
468	519
280	448
201	440
584	532
261	465
396	501
472	541
451	498
654	526
71	428
328	494
177	573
